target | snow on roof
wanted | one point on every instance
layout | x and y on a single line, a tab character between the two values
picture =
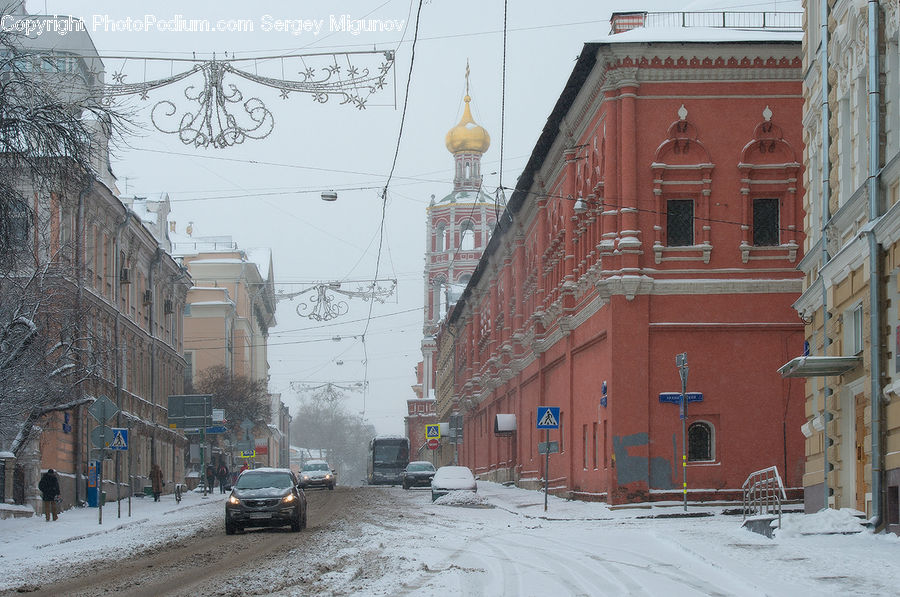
223	260
261	257
139	207
212	303
699	35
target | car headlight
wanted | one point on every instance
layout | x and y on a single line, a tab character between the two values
327	477
233	500
288	498
306	477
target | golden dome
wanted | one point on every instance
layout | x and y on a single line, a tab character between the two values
467	136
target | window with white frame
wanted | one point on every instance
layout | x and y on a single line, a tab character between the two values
853	330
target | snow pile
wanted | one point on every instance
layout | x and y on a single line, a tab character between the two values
845	520
462	498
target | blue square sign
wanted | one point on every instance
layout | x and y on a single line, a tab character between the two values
548	417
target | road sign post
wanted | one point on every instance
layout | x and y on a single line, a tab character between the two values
102	410
547	418
682	364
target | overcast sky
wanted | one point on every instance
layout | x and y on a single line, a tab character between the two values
266	193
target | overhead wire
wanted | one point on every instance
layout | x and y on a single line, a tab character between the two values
384	193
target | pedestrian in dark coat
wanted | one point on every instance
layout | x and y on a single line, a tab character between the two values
156	480
222	474
49	486
210	477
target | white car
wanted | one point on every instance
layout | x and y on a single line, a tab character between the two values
452	478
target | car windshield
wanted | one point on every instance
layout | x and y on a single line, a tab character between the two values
420	466
260	480
320	466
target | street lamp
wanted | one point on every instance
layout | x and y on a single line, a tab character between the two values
329	196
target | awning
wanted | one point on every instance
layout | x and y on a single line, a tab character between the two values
812	366
504	423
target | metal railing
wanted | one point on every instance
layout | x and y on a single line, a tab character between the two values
788	21
764	493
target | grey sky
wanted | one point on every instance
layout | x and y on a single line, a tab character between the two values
266	192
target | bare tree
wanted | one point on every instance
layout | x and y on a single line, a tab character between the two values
241	397
323	423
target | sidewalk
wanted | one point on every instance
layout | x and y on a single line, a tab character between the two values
28	544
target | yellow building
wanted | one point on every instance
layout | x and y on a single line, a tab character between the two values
229	312
852	259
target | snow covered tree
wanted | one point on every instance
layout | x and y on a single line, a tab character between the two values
54	132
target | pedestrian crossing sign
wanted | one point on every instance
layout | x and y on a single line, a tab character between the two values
119	439
432	432
548	417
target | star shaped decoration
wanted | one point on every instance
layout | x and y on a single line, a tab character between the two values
119	77
285	93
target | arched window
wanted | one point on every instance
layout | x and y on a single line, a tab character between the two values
441	234
700	442
467	236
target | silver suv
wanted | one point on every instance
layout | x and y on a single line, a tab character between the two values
317	473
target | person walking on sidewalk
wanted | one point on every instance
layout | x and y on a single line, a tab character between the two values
156	480
49	486
222	474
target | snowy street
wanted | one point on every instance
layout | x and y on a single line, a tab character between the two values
387	541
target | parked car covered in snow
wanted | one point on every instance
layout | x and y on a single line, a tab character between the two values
452	478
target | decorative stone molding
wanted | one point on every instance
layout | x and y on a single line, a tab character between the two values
699	252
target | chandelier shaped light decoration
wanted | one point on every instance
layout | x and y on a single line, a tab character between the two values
218	113
325	300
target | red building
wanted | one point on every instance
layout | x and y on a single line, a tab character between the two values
659	214
458	227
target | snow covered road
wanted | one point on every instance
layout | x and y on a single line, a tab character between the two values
387	541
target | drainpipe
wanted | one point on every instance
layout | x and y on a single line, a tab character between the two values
875	266
157	260
79	292
824	12
117	292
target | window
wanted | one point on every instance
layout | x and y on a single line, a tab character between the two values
17	225
680	222
765	222
700	445
853	330
188	371
467	236
584	433
440	239
596	447
605	447
561	434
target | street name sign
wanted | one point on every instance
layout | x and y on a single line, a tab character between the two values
675	397
548	447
